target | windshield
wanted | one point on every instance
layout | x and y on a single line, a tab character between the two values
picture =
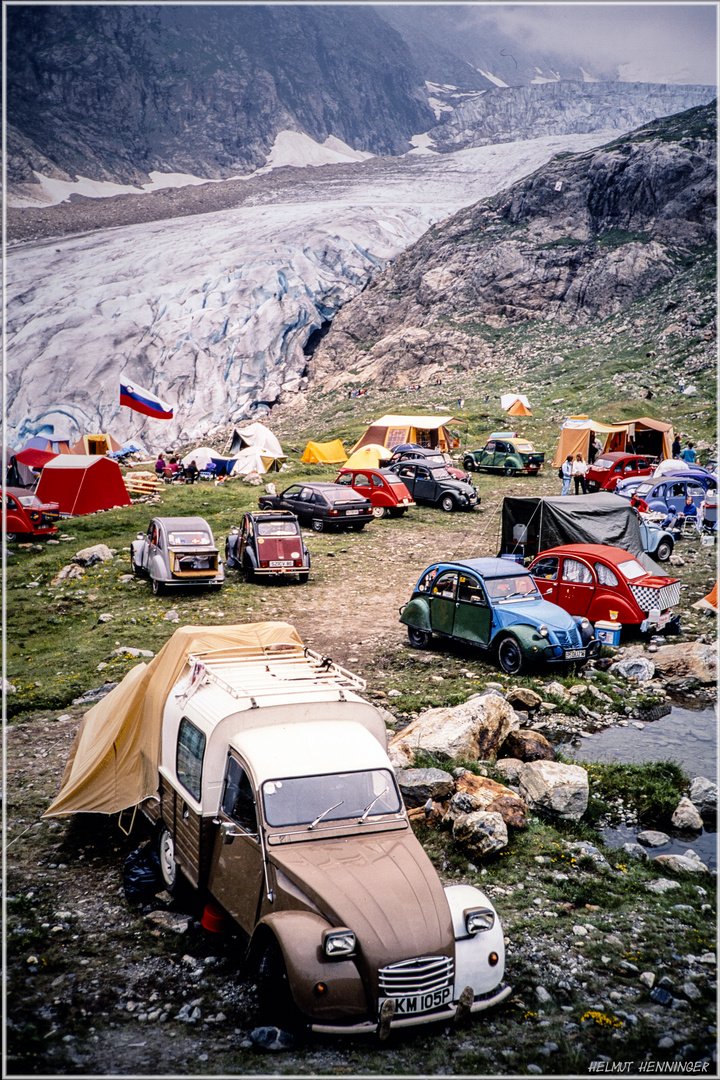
189	538
305	800
507	588
28	500
277	528
603	464
631	569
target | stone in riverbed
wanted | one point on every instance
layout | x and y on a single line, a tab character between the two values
474	730
528	746
703	794
680	863
551	787
686	817
653	838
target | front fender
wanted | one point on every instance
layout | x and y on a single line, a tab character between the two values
299	935
473	953
417	614
526	636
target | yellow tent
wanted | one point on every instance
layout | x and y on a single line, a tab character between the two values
96	444
324	452
113	763
427	431
367	457
519	409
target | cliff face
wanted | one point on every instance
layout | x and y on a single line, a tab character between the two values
114	92
577	241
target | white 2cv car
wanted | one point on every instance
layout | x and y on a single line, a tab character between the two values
273	794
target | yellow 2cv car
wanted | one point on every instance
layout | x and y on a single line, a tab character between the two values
274	796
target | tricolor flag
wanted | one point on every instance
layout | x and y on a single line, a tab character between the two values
143	401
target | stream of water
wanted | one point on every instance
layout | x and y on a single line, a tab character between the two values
686	736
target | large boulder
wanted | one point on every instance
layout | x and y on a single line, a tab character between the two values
474	730
634	667
693	660
703	795
89	556
481	832
686	817
528	745
520	697
555	789
493	797
419	785
681	864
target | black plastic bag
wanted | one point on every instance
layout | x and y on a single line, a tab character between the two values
141	873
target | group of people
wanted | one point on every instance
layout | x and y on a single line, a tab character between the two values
173	469
688	454
574	470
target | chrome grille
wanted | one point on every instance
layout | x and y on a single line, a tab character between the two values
416	976
568	638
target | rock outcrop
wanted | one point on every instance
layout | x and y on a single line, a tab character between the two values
473	731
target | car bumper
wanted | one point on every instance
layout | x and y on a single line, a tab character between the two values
560	654
369	1027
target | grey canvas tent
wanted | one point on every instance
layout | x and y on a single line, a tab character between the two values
531	525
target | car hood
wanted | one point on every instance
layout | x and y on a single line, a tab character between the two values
382	886
533	611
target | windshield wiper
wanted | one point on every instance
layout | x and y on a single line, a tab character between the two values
369	807
321	816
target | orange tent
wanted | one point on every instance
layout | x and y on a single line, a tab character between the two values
710	601
519	409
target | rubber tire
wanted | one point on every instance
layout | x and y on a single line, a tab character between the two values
303	578
12	537
469	464
447	503
134	569
398	511
318	525
247	572
166	853
276	1005
158	587
419	639
380	511
509	471
664	550
510	657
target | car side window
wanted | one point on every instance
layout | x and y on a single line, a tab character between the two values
677	491
427	579
292	492
423	473
547	568
445	584
307	494
620	466
362	479
237	801
378	481
190	754
501	447
10	502
576	572
490	447
605	575
641	464
153	534
407	470
696	490
470	590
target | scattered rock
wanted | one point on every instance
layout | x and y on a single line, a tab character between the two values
105	617
524	698
68	573
128	650
636	851
693	660
480	832
703	793
419	785
554	788
680	863
660	997
647	978
661	885
528	746
509	768
271	1038
493	797
91	555
653	838
91	696
474	730
635	667
172	616
686	817
168	920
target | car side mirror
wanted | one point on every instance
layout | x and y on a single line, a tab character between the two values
227	832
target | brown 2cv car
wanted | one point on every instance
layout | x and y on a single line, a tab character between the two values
274	796
268	545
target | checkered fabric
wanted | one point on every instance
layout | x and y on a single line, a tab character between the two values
648	597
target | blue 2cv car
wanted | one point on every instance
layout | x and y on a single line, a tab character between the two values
495	605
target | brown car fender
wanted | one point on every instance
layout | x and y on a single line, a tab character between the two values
300	937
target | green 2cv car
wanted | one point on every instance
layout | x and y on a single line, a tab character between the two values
495	605
507	453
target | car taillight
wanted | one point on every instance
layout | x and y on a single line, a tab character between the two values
265	564
298	562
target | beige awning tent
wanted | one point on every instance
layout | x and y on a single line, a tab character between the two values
96	444
575	437
326	453
367	457
427	431
651	437
113	763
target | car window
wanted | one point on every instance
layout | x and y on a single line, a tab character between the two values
377	481
546	568
423	473
605	575
292	492
627	466
577	572
427	579
277	528
645	489
345	478
490	447
349	496
362	479
641	464
237	800
309	495
153	533
501	447
190	754
631	569
512	587
394	479
445	584
470	590
524	447
406	470
677	491
188	538
603	464
10	502
299	800
695	489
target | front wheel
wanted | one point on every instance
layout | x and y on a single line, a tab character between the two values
448	503
510	656
419	639
158	587
166	854
12	537
380	511
664	551
469	464
317	525
275	1001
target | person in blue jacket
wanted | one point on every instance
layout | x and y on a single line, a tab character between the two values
689	454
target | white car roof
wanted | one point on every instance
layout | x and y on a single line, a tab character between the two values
310	749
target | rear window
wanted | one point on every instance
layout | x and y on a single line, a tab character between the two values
524	447
643	489
277	528
631	569
603	464
188	538
344	497
394	480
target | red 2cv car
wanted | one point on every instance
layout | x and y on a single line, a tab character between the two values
604	582
26	516
383	487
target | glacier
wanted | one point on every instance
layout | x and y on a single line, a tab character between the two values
213	312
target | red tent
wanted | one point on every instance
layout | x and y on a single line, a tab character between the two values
82	484
34	458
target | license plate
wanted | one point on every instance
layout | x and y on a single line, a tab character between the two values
421	1003
664	619
281	562
351	513
574	654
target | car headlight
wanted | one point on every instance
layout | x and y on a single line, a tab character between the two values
543	630
584	624
478	919
338	942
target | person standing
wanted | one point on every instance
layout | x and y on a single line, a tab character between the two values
676	446
592	449
689	454
566	470
579	468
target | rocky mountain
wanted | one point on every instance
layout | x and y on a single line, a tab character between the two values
580	240
113	92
